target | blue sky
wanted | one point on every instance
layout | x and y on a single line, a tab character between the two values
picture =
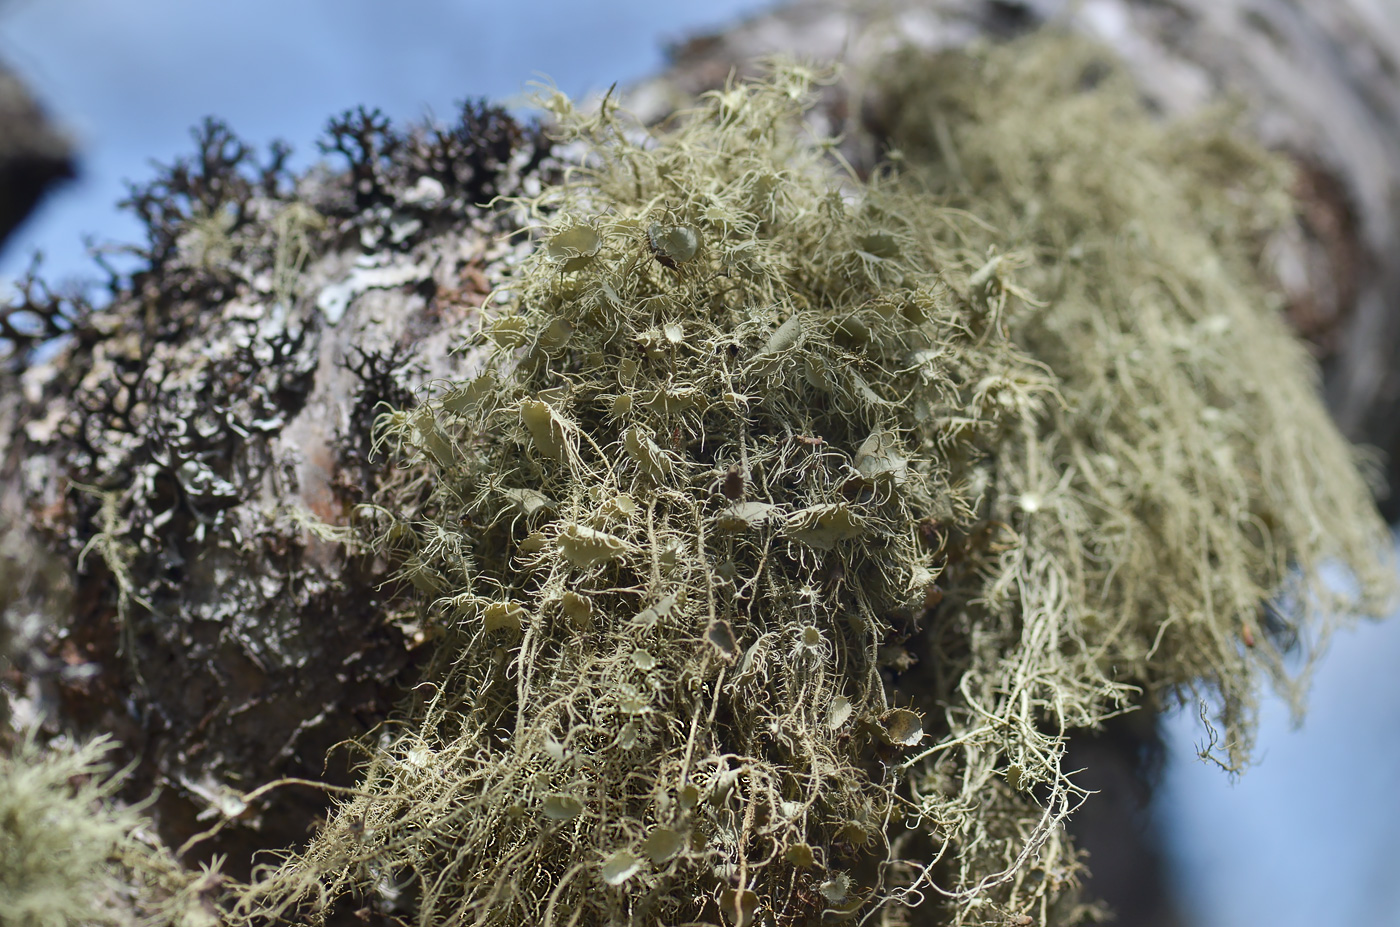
129	79
1305	839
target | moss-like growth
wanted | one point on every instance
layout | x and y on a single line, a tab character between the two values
671	533
784	537
57	839
784	534
71	855
1187	491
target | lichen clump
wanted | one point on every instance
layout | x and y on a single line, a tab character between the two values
70	854
784	534
1182	500
58	839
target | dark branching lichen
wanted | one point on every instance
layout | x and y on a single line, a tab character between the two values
370	146
195	210
36	316
481	154
381	376
159	468
431	172
472	157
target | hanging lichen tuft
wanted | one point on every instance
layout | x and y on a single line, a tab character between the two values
1189	489
792	522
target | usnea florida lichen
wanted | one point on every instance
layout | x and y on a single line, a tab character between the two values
57	842
792	521
1209	483
71	855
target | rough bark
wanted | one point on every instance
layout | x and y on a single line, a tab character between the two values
34	156
163	467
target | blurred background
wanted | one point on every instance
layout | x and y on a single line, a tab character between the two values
1306	837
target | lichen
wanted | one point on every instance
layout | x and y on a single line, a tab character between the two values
787	524
177	446
793	522
632	658
1190	487
70	854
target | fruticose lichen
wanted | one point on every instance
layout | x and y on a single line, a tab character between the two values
71	855
786	525
1191	485
793	521
55	845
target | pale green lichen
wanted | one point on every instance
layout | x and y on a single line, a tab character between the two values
1191	485
59	835
793	522
72	856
